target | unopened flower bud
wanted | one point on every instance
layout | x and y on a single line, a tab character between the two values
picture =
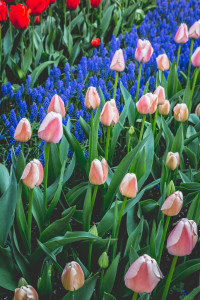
170	188
131	130
103	260
22	282
93	230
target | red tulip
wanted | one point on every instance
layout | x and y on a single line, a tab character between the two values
19	16
95	42
3	11
37	20
37	6
23	131
52	1
72	4
95	3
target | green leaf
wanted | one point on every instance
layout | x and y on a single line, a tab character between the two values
44	282
108	297
27	59
105	21
8	278
75	193
87	208
132	109
75	51
178	142
64	145
172	80
4	179
110	275
54	163
38	211
134	238
38	71
194	210
152	241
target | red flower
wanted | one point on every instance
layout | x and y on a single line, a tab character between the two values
37	6
52	1
19	16
37	20
72	4
95	3
95	42
3	11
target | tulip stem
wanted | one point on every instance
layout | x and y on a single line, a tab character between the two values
116	81
107	143
73	297
100	283
41	19
64	5
50	18
120	216
46	175
129	142
163	239
135	296
22	53
169	278
0	47
22	147
69	46
191	50
30	218
33	49
154	121
138	83
178	56
91	138
94	197
193	87
162	77
142	128
10	31
90	257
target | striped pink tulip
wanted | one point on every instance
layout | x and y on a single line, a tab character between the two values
110	114
57	105
92	100
118	63
144	51
147	104
33	174
98	172
194	31
162	62
51	129
181	36
128	186
160	92
23	131
173	204
196	58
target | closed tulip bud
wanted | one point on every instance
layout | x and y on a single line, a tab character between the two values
170	188
109	115
143	275
98	172
72	277
131	130
37	20
164	109
183	238
147	104
95	3
23	131
196	58
93	230
26	293
162	62
160	92
118	63
22	282
144	51
173	160
103	260
194	31
51	129
181	112
173	204
72	4
128	186
92	99
33	174
57	105
197	110
95	42
181	36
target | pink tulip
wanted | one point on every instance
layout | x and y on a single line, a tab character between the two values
118	63
51	129
164	109
143	275
33	174
23	131
183	238
57	105
197	110
181	112
181	36
160	92
26	293
162	62
92	99
144	51
128	186
147	104
72	277
172	160
98	172
196	58
173	204
110	114
194	31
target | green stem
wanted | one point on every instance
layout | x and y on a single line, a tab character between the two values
120	216
69	32
129	142
91	138
94	197
135	296
142	128
90	257
33	49
0	47
10	25
41	19
154	121
50	17
100	284
169	278
73	295
163	239
179	51
138	83
30	218
191	50
193	87
22	147
22	53
64	5
116	81
46	175
107	143
162	77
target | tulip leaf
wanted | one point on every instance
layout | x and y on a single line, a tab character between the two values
75	193
105	22
194	210
38	71
8	278
172	81
87	208
54	163
44	282
4	179
178	142
108	297
38	211
132	109
134	238
110	275
64	145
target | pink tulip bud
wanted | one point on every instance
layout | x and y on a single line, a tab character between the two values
143	275
51	129
26	293
144	51
181	36
173	204
128	186
33	174
164	108
197	110
181	112
92	99
173	160
109	114
57	105
160	92
183	238
72	277
147	104
118	63
23	131
194	31
196	58
98	172
162	62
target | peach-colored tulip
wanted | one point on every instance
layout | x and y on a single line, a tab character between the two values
26	293
144	51
181	36
196	58
162	62
57	105
72	277
23	131
181	112
173	160
109	114
194	31
147	104
118	63
128	186
51	129
160	92
197	110
164	108
143	275
92	99
173	204
183	238
98	172
33	174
